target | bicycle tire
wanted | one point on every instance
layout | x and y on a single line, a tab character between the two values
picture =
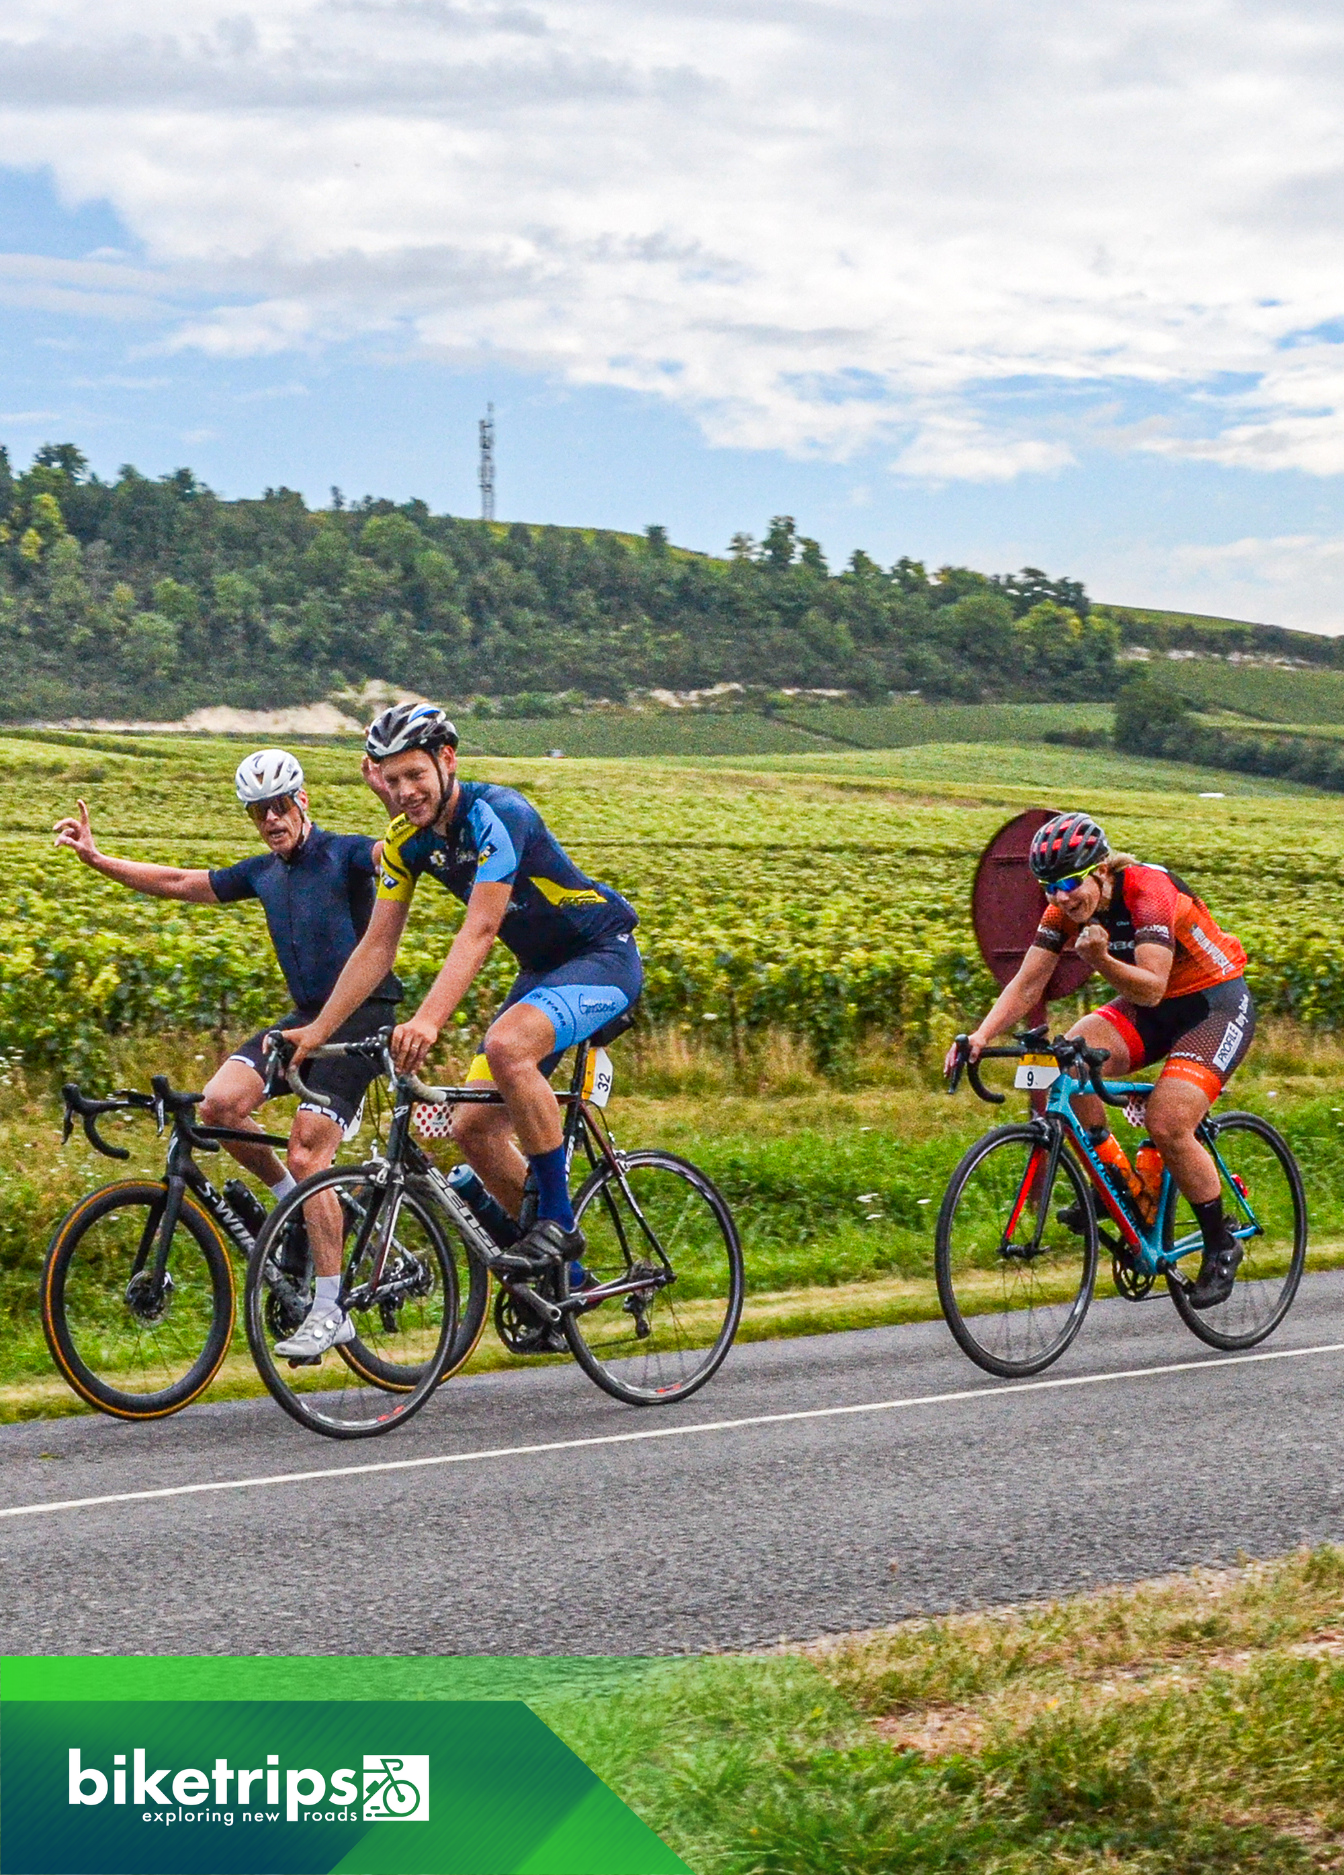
404	1332
93	1332
1256	1307
1041	1310
695	1229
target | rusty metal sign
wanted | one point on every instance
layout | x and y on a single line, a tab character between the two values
1006	906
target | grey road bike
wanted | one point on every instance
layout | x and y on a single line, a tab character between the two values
649	1318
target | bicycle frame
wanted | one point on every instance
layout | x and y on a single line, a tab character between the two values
403	1158
1144	1242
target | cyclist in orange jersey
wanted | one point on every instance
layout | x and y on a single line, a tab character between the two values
1182	998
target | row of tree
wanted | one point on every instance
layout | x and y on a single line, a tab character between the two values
1152	719
144	596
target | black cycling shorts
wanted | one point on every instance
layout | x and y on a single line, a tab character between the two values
1204	1035
344	1082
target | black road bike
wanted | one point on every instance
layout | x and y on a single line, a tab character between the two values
650	1318
137	1287
138	1297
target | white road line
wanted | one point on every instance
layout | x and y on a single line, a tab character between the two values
676	1432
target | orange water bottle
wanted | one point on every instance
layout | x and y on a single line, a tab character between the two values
1112	1155
1148	1169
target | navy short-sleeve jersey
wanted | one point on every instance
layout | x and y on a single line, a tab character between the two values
317	904
496	836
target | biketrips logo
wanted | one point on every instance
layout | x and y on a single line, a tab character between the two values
291	1787
395	1789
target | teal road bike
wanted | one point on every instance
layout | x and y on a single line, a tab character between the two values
1030	1207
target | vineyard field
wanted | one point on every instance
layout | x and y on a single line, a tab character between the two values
794	729
827	897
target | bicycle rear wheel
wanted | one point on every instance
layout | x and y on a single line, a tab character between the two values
1014	1278
1267	1209
665	1238
126	1345
404	1314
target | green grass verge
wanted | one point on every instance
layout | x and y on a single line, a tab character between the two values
1184	1727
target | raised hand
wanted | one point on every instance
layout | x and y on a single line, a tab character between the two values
76	833
373	776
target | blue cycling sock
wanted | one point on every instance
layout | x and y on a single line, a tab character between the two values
552	1187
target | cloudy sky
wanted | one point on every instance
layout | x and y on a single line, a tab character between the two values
1058	283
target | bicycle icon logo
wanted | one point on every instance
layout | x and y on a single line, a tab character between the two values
396	1788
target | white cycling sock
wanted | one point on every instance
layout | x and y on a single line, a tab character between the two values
326	1292
286	1185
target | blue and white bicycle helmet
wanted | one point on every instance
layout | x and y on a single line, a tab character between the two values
409	726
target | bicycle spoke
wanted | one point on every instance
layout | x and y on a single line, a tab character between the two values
1015	1278
1263	1202
663	1244
401	1289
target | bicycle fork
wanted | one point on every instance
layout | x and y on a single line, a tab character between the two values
1038	1181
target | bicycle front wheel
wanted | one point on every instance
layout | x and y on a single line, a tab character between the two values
401	1281
1016	1253
662	1243
1265	1205
130	1343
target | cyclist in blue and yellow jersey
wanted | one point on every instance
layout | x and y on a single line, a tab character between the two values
578	965
317	890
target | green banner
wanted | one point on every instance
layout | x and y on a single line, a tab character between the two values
142	1785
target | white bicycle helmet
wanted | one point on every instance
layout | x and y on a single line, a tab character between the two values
409	726
266	775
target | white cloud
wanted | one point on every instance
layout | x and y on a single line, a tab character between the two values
1284	579
815	224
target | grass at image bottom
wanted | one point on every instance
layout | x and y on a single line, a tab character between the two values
1188	1725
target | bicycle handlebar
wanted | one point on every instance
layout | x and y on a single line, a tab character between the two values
89	1112
279	1052
1070	1054
163	1102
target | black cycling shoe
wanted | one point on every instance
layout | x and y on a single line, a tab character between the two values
1217	1274
1073	1218
540	1249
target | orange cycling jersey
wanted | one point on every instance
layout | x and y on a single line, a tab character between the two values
1150	905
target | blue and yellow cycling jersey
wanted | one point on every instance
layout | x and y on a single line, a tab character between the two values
555	911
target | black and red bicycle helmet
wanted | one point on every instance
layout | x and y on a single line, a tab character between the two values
1067	844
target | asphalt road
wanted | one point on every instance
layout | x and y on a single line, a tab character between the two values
727	1538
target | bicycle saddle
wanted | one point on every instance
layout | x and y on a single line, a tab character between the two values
606	1035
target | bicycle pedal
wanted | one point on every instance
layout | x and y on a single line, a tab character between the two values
305	1360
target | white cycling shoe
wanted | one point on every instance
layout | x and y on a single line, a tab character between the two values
322	1328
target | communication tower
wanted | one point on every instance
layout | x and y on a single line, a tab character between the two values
486	476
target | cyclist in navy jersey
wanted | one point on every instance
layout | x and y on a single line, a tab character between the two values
317	890
579	966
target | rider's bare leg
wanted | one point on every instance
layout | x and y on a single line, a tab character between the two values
1175	1109
232	1096
520	1039
485	1135
313	1144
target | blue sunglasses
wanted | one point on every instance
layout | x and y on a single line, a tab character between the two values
1070	883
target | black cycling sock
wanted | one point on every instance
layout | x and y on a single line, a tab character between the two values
1209	1217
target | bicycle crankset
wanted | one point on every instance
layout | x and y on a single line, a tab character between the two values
1130	1282
522	1331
